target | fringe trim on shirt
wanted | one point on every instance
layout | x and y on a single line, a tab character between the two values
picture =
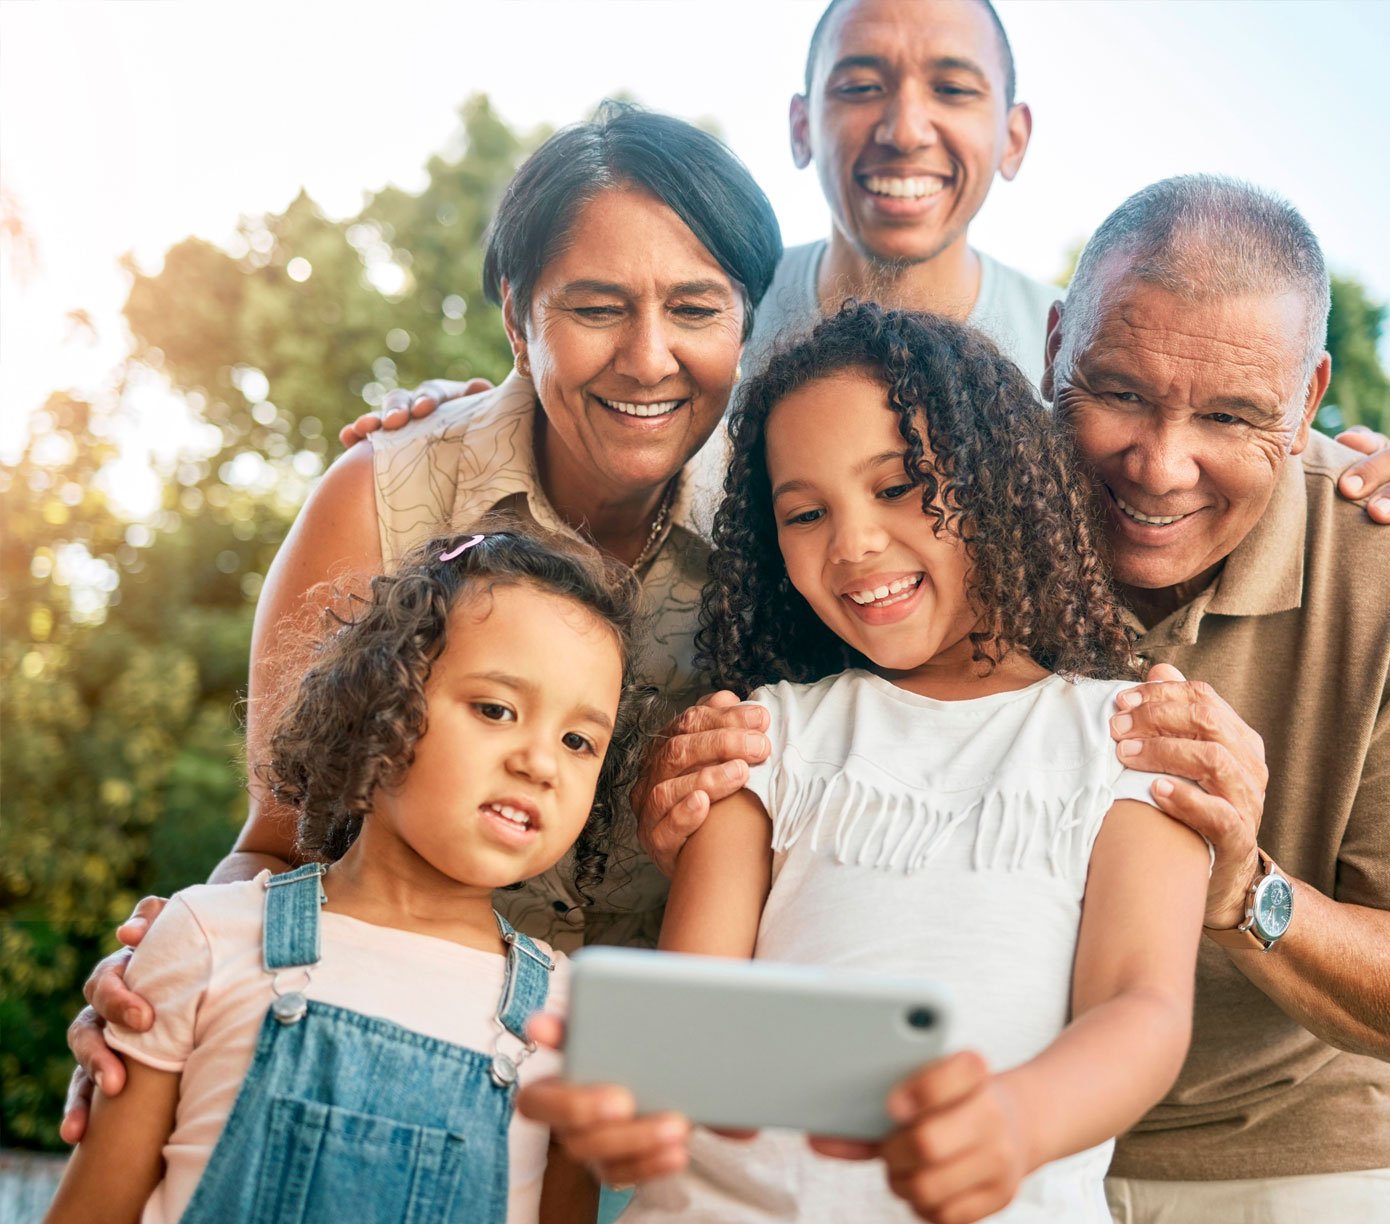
858	824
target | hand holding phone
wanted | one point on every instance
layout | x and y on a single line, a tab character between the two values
742	1044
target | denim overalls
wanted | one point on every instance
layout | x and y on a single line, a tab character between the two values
348	1119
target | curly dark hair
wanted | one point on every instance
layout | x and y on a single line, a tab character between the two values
355	717
1005	478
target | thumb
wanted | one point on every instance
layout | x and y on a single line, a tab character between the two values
1163	673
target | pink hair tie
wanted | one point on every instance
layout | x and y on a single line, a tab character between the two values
461	549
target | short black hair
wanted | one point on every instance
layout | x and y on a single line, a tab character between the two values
690	171
1006	52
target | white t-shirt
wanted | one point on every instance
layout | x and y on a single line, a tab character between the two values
922	838
200	965
1011	309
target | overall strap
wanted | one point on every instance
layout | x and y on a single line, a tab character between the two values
527	980
290	931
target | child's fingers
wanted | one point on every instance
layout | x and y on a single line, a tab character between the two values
844	1149
564	1106
931	1183
661	1163
938	1086
978	1203
546	1029
636	1139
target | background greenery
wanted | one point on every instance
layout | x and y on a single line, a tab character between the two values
123	644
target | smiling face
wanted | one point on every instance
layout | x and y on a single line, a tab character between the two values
632	344
908	124
521	710
1187	412
855	540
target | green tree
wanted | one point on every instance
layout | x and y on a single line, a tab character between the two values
123	645
1359	393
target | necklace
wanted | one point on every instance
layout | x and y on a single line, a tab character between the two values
662	511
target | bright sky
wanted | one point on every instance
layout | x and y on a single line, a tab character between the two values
125	127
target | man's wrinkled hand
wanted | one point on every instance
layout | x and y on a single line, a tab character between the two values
1369	477
1170	725
108	998
400	406
699	758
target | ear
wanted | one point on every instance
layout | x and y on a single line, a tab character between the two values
1018	125
1317	388
516	332
799	121
1051	346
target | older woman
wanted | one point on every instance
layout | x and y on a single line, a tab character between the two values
627	255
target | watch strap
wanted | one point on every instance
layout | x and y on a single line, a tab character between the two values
1242	937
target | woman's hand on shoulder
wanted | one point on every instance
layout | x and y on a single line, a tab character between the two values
108	998
960	1149
699	758
400	406
1369	477
598	1124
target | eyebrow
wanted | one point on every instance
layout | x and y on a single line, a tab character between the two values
941	63
586	713
866	465
681	289
1221	403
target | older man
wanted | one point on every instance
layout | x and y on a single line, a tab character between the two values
1189	360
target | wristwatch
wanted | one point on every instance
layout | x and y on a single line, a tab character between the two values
1268	911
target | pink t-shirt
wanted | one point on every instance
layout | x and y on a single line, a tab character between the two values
200	965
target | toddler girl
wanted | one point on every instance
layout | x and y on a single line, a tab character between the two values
342	1042
906	576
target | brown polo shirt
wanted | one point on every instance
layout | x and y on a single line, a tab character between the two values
1295	634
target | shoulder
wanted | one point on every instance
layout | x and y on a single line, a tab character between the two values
1008	284
787	696
457	419
789	306
221	910
1340	534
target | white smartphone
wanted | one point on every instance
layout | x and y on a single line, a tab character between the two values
751	1043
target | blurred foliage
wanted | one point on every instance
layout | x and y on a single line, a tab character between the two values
123	645
1359	393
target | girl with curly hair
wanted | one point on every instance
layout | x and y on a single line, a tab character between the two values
905	574
343	1041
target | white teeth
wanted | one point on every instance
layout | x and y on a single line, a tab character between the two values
515	815
905	188
642	410
897	587
1150	519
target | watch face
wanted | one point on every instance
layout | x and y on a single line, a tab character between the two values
1274	908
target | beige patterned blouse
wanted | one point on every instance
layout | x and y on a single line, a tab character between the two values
477	455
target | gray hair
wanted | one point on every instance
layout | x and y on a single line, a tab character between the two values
1202	236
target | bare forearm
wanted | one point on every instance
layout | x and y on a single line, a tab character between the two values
1331	972
120	1161
1105	1071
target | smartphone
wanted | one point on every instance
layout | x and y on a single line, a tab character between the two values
751	1043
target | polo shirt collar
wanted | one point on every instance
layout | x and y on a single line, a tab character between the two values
1263	576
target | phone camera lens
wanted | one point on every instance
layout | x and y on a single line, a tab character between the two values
921	1018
